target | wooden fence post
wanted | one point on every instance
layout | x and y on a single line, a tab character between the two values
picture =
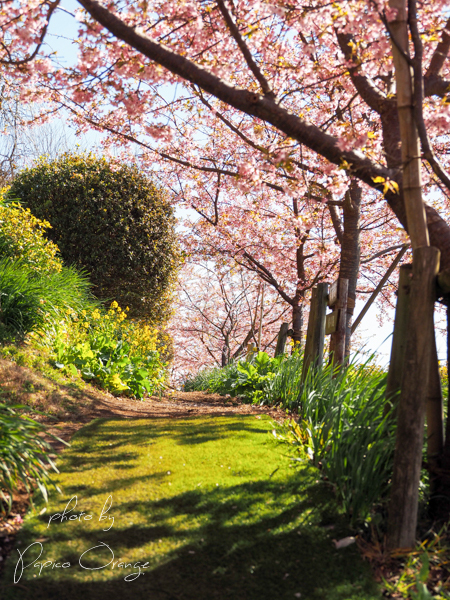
282	338
434	411
337	342
435	418
316	329
403	504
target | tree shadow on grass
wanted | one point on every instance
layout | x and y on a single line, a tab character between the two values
220	556
266	539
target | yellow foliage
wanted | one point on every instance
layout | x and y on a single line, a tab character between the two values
142	336
22	236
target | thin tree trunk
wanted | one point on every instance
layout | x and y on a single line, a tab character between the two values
261	315
351	252
297	322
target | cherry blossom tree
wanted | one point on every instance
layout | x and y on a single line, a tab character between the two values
303	53
218	311
297	81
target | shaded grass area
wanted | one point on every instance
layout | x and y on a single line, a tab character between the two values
211	507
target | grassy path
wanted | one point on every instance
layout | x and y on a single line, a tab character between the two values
202	508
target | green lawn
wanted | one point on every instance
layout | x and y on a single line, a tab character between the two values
211	508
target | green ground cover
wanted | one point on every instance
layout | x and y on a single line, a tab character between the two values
211	507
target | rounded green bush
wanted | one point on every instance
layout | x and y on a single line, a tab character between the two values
110	220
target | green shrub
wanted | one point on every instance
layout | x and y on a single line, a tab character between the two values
261	380
110	220
209	380
251	380
23	454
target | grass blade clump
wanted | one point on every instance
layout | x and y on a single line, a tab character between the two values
346	433
210	379
24	457
33	302
284	388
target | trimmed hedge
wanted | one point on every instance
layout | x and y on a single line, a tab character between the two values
110	220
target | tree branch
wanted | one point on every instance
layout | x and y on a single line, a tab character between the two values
248	102
245	51
440	54
363	85
264	274
382	252
52	6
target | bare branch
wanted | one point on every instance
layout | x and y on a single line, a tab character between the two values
382	252
264	274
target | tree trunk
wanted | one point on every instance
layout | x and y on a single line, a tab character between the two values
297	322
282	338
338	338
351	252
315	336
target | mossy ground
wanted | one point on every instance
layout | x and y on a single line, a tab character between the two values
212	504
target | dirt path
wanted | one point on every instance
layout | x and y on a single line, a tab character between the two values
173	405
